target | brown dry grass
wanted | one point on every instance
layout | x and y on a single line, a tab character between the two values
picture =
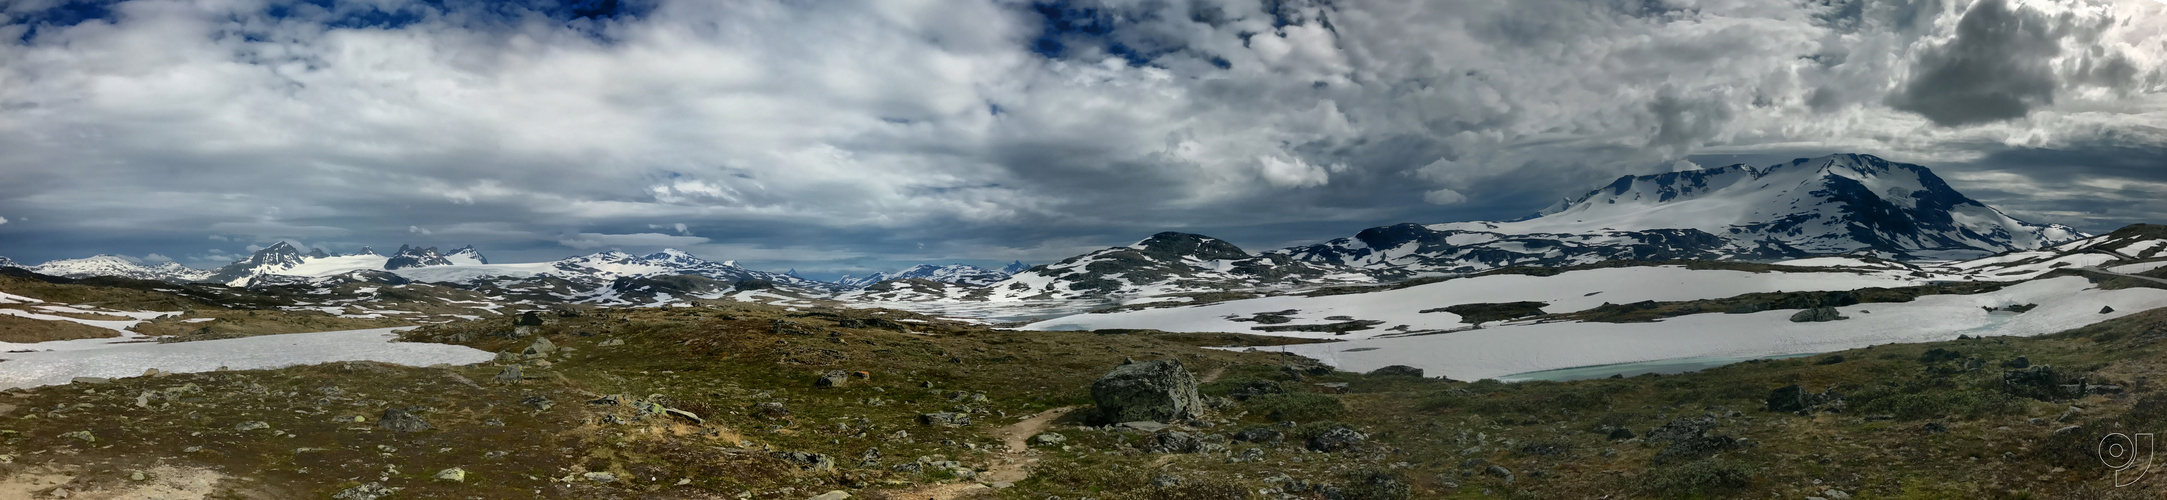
24	330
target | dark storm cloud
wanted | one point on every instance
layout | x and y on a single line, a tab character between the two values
852	136
1997	68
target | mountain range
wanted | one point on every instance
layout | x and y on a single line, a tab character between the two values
1838	204
962	274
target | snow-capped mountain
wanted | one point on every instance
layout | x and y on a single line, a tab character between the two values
277	257
464	256
5	262
613	265
1845	203
113	265
962	274
1015	267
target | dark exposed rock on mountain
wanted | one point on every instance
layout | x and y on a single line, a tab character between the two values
411	257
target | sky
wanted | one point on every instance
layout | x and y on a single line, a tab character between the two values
840	137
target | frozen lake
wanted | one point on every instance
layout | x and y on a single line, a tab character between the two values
58	362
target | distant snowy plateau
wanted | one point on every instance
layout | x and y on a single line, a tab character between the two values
1719	263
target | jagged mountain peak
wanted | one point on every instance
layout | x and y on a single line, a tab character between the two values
366	251
411	257
466	255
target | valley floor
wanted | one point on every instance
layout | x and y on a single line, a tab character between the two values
721	402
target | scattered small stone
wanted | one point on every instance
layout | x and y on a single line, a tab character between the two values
611	343
601	477
2106	309
83	436
1260	435
807	460
251	425
455	474
1500	472
538	402
1166	481
370	491
91	380
831	495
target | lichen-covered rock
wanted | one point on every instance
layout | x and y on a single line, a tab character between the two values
945	419
1335	439
806	460
1048	439
511	375
1160	391
403	420
833	378
541	348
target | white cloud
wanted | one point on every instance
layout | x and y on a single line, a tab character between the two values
1444	197
3	220
758	114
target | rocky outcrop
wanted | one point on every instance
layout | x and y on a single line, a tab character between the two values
1816	315
1687	439
1397	371
1159	391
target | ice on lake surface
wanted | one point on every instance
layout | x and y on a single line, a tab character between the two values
130	356
1659	367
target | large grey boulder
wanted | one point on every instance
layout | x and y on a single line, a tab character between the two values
1159	391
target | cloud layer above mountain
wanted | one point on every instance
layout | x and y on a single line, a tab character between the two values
857	134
